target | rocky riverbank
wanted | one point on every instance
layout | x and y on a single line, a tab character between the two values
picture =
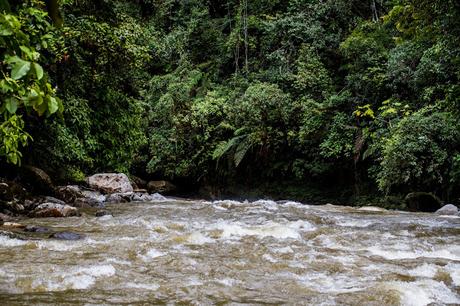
19	201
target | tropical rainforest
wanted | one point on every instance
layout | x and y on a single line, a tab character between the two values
291	98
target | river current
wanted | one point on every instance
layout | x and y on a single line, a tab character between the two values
232	253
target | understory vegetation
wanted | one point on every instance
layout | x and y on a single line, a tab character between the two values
351	98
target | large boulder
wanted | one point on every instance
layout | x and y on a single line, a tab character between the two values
448	210
37	180
47	210
110	183
422	201
80	197
163	187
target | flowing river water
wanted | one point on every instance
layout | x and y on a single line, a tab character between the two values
231	253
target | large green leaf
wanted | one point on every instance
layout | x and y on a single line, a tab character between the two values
38	70
11	105
53	105
20	69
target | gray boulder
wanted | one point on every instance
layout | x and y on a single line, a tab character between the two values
110	183
80	197
120	197
47	210
448	210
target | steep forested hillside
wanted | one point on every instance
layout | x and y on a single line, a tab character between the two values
356	97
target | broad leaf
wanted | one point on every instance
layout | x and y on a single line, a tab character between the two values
38	70
20	69
11	105
53	105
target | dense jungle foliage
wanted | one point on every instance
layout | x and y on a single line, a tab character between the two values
357	96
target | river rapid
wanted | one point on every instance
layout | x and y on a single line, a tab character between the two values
231	253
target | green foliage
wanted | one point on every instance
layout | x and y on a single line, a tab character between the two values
25	34
420	150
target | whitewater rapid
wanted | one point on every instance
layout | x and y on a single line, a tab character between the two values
231	252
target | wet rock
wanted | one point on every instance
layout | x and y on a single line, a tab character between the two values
5	218
110	183
10	191
101	213
11	235
67	236
140	191
422	201
87	202
120	197
36	229
47	210
448	210
37	179
53	200
164	187
72	194
142	197
13	225
140	183
12	207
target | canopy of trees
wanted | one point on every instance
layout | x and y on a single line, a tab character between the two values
364	94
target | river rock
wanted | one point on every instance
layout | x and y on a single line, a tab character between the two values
101	213
120	197
140	183
160	187
47	210
36	229
37	179
422	201
5	218
448	210
53	200
67	236
110	183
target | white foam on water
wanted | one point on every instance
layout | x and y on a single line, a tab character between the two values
236	230
119	261
423	292
325	283
294	204
285	250
267	204
229	282
152	254
11	242
77	279
149	287
269	258
105	218
59	246
198	238
353	223
454	271
450	253
425	270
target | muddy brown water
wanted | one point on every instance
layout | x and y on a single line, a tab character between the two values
233	253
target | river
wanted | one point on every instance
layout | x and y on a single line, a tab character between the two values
231	253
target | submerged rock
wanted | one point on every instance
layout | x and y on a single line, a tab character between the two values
47	210
422	201
160	187
448	210
67	236
110	183
101	213
36	229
